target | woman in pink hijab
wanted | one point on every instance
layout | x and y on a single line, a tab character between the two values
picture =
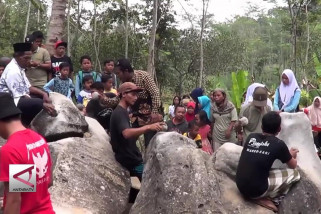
314	114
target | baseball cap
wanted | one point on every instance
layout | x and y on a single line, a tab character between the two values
260	96
128	87
60	43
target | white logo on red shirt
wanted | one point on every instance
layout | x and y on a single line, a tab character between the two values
41	163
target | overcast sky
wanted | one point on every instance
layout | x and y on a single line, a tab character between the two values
222	9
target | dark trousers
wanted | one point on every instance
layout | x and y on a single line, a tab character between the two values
148	136
134	192
29	107
317	140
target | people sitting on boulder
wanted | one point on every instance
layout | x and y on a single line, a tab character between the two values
190	113
39	69
287	95
252	113
23	146
61	84
178	123
86	70
314	114
84	95
15	82
224	117
254	178
124	135
192	133
107	81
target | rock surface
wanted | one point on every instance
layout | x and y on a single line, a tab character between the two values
68	123
87	178
179	178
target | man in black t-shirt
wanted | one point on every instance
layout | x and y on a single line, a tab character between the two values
254	177
178	123
60	57
123	135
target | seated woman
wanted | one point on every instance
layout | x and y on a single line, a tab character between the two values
314	114
15	82
287	95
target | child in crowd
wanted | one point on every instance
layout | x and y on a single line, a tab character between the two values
192	133
85	95
204	131
185	100
109	66
62	83
95	109
86	67
190	115
60	57
107	81
203	122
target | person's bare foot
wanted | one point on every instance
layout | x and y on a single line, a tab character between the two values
266	203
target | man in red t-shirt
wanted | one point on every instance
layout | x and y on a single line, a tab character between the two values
23	146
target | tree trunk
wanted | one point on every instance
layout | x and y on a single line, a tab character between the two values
68	29
27	21
201	48
151	55
56	23
126	31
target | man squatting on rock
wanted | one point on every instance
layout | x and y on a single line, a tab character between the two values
254	178
23	146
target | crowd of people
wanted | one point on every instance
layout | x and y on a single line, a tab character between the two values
127	104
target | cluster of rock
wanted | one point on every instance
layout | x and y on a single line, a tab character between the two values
178	177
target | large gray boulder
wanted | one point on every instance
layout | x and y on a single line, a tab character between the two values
179	178
68	123
87	178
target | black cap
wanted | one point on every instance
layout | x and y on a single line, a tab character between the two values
29	39
21	47
37	34
7	106
124	64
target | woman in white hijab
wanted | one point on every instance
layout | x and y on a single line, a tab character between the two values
287	95
249	94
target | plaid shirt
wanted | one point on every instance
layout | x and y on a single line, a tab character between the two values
143	80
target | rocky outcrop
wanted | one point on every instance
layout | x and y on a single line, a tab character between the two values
87	178
68	123
179	178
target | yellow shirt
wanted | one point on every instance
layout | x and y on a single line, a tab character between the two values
114	91
197	139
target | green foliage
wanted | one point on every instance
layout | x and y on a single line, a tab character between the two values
317	64
240	83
